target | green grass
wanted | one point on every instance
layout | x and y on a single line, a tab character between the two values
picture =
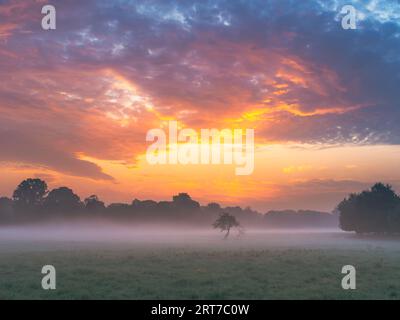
223	270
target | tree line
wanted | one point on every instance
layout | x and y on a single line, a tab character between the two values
33	202
376	210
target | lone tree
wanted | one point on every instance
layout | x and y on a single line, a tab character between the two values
225	222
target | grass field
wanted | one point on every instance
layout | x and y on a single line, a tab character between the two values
261	265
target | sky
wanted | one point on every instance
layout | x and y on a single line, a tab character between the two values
76	102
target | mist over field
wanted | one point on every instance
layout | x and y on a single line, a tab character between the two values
106	233
113	261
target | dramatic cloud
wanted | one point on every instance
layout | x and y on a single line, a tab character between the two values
113	69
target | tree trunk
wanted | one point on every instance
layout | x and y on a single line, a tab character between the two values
227	233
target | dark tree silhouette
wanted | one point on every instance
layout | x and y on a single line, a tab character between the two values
30	193
225	222
184	202
31	202
93	204
62	200
371	211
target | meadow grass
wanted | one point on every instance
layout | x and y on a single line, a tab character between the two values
224	270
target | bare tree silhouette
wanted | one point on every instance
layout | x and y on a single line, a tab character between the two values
226	222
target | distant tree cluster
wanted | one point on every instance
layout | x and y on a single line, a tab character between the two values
372	211
32	202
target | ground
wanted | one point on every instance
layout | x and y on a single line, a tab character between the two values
259	265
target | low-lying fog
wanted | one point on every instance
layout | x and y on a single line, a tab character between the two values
108	235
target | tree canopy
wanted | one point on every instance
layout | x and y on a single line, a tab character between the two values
372	211
30	193
62	200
